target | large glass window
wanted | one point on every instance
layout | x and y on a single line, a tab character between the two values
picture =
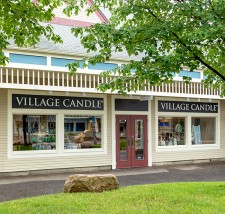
203	130
86	132
34	132
171	131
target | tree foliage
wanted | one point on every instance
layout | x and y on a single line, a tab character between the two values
161	36
21	21
164	35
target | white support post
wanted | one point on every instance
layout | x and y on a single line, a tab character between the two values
12	76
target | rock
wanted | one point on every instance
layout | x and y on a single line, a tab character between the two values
86	144
90	183
88	138
79	138
88	133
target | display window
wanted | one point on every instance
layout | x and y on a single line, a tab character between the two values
171	131
84	132
34	132
203	130
187	124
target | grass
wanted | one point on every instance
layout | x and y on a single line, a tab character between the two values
204	197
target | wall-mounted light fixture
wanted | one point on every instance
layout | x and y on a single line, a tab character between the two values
146	97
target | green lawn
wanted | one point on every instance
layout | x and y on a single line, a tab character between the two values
158	198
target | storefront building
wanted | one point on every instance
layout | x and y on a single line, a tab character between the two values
50	120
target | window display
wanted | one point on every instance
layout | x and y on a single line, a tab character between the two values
84	132
171	131
203	130
139	139
34	132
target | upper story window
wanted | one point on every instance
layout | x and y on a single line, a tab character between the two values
62	62
193	74
102	66
27	59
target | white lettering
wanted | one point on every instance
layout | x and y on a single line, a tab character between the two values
50	102
163	105
42	103
36	102
99	105
57	102
19	101
65	103
87	103
73	104
30	102
80	103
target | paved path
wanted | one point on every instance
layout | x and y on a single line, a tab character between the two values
27	186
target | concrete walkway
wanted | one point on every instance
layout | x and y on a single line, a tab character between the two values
27	186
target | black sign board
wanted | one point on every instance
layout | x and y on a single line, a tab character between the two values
178	106
56	102
130	105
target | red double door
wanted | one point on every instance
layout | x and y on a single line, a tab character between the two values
131	141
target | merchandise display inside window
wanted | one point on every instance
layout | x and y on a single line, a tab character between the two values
82	132
171	131
139	139
203	130
34	132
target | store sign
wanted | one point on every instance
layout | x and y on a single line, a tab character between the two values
130	105
178	106
56	102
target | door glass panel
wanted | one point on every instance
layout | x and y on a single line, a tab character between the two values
123	139
139	139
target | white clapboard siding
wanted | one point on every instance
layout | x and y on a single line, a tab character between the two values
109	126
184	155
3	127
92	18
44	162
62	162
57	162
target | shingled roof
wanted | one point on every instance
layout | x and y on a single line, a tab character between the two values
70	46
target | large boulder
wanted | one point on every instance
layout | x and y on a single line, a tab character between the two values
90	183
79	138
86	144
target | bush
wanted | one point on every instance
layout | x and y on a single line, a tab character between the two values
123	144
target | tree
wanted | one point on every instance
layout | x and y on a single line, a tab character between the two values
165	35
22	21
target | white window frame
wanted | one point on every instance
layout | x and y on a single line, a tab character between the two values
59	151
188	146
173	147
103	130
216	144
